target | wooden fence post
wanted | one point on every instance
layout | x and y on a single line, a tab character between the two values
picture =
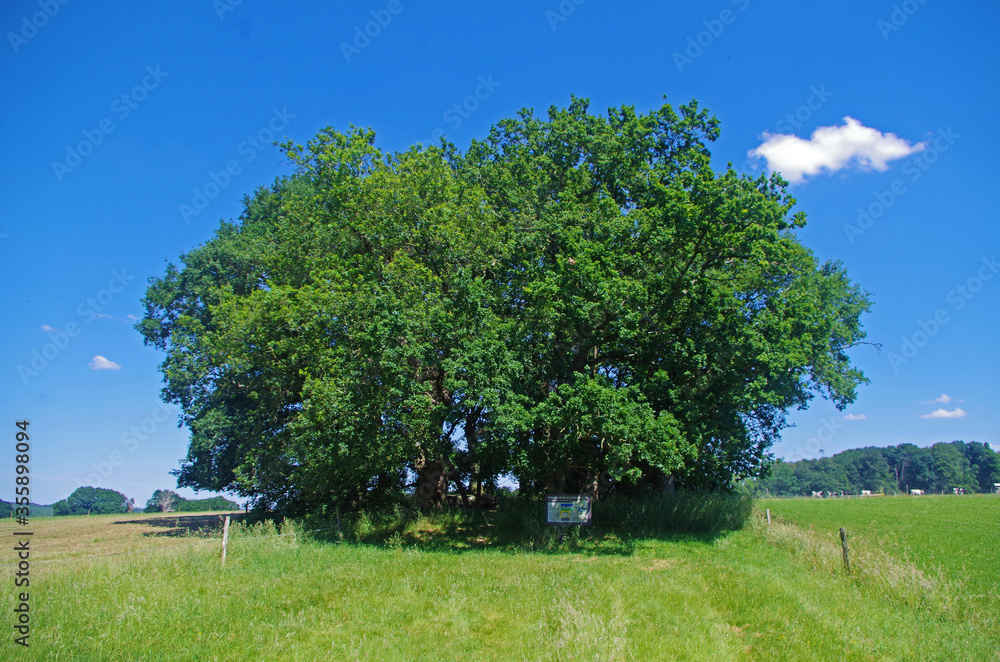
225	539
769	517
843	544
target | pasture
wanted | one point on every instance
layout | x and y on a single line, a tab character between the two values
447	588
956	535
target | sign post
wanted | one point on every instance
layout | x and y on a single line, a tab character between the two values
566	510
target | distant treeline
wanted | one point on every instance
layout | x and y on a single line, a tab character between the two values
34	509
101	501
973	467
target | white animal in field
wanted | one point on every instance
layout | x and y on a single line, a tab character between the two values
916	492
817	495
866	492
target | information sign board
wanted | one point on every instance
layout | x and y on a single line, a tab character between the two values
567	509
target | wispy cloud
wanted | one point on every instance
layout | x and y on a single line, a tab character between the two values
101	363
128	318
944	413
832	148
943	399
855	417
46	327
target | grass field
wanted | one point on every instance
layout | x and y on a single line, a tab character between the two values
440	590
956	535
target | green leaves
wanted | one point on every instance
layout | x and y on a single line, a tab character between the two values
579	301
92	501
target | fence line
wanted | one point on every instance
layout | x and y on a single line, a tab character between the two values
160	549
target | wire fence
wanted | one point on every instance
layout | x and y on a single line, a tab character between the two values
168	547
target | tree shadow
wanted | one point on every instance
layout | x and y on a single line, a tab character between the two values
178	525
478	531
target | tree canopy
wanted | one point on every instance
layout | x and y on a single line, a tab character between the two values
577	301
162	501
94	501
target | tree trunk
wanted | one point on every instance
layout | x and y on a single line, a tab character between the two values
432	484
460	484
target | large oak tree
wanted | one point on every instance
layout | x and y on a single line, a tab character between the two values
579	301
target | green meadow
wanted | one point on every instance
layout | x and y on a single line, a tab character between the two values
500	587
958	536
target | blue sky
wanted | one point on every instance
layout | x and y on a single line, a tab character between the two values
121	123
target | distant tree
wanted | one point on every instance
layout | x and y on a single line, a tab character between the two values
952	468
922	473
899	458
781	479
866	469
92	500
985	464
6	509
163	501
825	474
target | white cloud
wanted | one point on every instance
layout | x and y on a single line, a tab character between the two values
101	363
46	327
944	413
855	417
832	148
944	399
130	316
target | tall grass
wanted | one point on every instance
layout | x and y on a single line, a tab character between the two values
517	522
676	512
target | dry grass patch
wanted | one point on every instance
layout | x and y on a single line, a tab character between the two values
60	538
